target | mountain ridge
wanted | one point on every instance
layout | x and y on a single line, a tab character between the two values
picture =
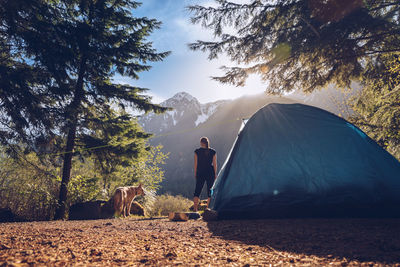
186	108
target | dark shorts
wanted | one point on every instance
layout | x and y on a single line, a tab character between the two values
200	180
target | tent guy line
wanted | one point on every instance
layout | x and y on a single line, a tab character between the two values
152	137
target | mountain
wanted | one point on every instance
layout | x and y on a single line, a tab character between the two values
180	130
187	112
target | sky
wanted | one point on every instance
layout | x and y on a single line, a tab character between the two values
184	70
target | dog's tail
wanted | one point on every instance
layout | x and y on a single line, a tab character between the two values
117	201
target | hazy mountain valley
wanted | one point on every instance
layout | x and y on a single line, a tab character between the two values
180	129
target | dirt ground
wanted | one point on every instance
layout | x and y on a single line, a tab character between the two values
304	242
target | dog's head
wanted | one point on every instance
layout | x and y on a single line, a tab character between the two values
140	191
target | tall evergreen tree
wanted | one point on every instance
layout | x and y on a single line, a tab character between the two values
22	98
118	141
377	107
75	47
299	44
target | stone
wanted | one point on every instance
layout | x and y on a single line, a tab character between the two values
137	209
6	215
202	205
89	210
210	215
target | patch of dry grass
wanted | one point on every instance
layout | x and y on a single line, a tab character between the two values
165	204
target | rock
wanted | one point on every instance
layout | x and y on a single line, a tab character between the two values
107	210
171	254
137	209
89	210
92	210
210	215
6	215
202	205
193	215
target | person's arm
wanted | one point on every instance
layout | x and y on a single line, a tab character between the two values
195	165
215	165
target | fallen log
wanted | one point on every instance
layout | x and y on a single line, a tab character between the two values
183	216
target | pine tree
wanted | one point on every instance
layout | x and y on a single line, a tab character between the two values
22	100
75	47
377	107
299	44
116	141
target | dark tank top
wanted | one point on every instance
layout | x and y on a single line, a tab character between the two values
204	161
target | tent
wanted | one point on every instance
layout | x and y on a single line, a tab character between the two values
294	160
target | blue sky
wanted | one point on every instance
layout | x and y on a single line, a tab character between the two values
184	70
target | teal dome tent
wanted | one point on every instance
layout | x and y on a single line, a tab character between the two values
294	160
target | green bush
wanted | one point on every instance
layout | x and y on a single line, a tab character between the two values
26	189
165	204
29	184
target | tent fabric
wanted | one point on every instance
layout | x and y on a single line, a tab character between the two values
294	160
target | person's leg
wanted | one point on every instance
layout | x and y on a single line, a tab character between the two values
210	183
199	185
196	201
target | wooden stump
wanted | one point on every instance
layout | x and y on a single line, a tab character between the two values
183	216
178	216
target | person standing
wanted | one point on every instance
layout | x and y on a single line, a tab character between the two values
205	170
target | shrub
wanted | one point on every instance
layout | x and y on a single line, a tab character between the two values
26	189
165	204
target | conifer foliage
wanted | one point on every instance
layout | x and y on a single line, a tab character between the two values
58	60
377	106
299	44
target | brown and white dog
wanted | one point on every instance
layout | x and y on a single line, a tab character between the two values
123	198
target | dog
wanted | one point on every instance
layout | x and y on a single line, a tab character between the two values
123	198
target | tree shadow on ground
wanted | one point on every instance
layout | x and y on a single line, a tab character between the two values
353	239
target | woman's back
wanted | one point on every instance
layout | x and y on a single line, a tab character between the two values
205	160
205	168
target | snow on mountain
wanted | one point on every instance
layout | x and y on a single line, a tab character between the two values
187	112
207	110
183	96
179	100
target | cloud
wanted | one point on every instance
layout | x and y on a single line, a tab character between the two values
155	98
192	32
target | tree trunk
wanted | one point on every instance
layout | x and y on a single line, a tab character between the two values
73	123
66	174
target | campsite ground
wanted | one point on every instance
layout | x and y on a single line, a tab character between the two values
238	243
